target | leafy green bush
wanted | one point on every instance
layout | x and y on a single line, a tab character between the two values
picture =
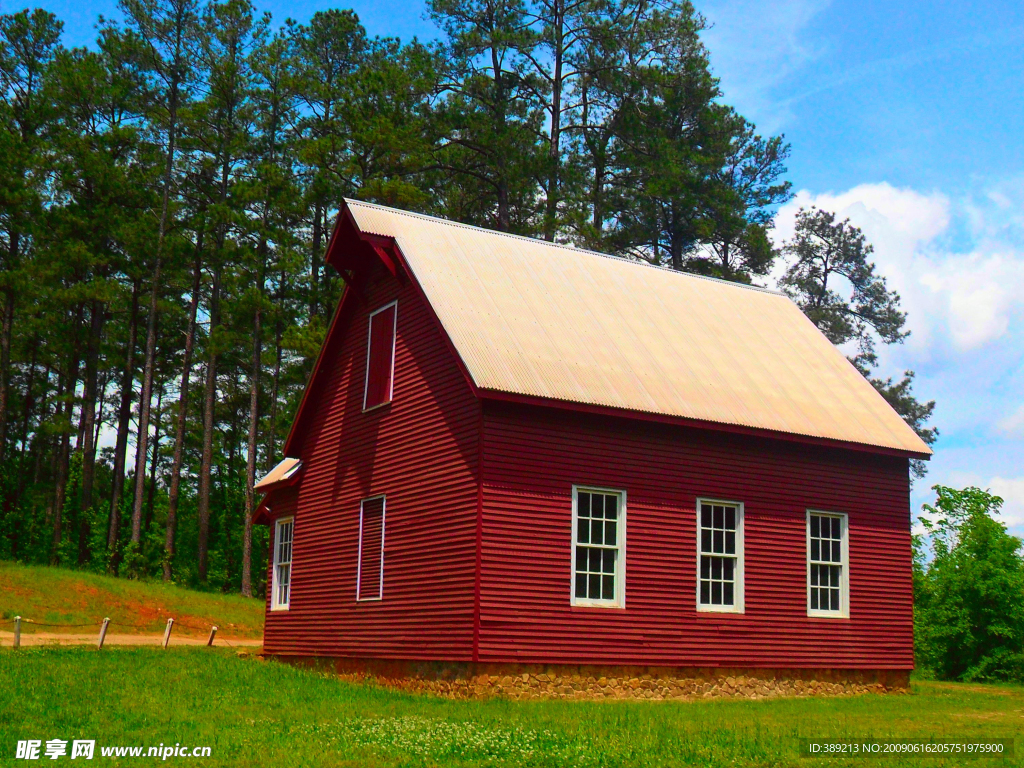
969	596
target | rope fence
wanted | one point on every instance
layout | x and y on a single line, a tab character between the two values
17	621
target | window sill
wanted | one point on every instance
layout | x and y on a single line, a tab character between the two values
716	609
587	606
279	609
377	407
827	614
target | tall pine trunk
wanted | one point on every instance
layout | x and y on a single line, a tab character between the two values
154	463
145	399
209	403
555	137
181	421
88	425
250	461
6	329
142	436
274	394
314	292
63	462
124	416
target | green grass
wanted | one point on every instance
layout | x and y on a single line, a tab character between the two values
256	713
47	595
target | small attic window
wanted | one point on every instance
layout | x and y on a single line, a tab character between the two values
380	356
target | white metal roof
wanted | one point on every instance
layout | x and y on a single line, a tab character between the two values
285	470
538	319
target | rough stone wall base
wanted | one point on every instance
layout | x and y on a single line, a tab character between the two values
535	681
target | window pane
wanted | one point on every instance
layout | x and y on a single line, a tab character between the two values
596	532
705	541
719	541
730	518
814	598
608	588
716	593
727	566
719	517
594	586
705	592
705	515
609	561
815	549
581	559
595	560
814	575
705	568
835	599
583	504
611	507
609	532
581	585
730	543
728	593
583	531
815	526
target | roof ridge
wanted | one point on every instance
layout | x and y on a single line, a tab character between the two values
564	246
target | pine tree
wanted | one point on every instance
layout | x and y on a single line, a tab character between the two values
831	278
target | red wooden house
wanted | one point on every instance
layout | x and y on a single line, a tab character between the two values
514	454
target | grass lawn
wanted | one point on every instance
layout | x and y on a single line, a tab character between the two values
58	596
256	713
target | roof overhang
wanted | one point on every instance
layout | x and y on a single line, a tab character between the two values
658	418
285	474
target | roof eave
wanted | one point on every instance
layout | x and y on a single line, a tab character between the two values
622	413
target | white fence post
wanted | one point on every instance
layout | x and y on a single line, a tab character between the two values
213	634
103	632
167	632
17	631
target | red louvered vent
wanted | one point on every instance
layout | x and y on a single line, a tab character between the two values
370	579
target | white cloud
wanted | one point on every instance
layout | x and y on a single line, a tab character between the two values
966	297
1013	424
1012	492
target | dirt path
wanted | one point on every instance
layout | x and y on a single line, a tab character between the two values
54	638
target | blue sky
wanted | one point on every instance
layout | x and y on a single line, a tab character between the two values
905	117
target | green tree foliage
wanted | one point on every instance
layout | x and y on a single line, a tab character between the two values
166	198
969	597
832	279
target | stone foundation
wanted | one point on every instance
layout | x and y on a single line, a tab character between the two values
530	681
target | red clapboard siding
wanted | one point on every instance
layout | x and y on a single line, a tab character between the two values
421	452
533	456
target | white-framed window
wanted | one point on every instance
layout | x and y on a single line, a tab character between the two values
598	547
281	588
380	356
719	556
828	571
370	561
